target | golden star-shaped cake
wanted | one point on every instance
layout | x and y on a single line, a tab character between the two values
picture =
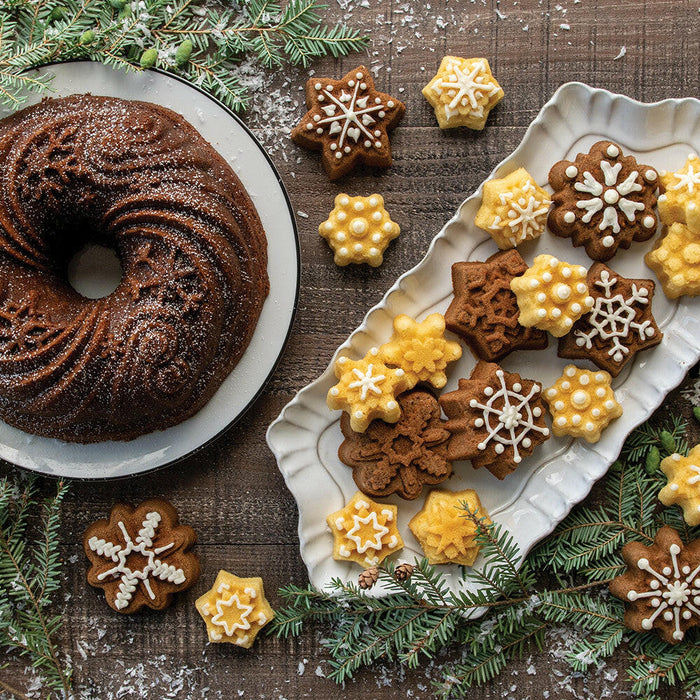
680	202
364	531
359	229
463	92
348	121
444	533
683	487
235	609
676	261
421	349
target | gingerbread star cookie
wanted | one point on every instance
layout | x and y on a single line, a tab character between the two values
463	92
359	229
619	325
444	533
364	531
141	556
484	311
513	209
676	261
661	585
680	202
348	121
683	487
603	200
235	609
496	419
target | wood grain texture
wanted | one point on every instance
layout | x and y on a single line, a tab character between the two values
231	492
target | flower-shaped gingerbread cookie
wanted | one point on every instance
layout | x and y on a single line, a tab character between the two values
683	487
444	533
235	609
364	531
141	556
359	229
552	295
661	585
420	349
348	121
680	203
603	200
514	209
463	92
582	403
367	389
676	261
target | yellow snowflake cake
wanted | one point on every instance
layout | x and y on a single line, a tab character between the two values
680	202
421	349
235	609
444	533
463	92
582	403
514	209
551	295
359	229
364	531
683	487
676	261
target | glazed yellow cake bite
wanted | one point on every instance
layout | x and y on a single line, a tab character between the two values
683	487
680	202
676	261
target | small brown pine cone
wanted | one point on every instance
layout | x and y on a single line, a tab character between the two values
403	571
368	578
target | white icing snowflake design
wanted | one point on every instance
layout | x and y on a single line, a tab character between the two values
152	568
525	217
242	623
375	543
510	425
612	318
467	88
367	382
687	180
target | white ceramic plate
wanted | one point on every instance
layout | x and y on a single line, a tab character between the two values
245	155
531	501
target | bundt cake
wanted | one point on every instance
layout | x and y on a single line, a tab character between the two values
140	179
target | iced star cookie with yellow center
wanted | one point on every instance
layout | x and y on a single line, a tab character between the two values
680	202
421	349
683	487
582	403
444	533
676	261
359	229
235	609
463	92
513	209
364	531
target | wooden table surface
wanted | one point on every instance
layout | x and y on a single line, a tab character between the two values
231	492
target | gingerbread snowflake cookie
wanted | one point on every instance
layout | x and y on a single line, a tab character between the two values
683	487
603	200
348	121
496	419
141	556
661	585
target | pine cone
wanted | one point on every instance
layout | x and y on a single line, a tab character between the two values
368	578
403	571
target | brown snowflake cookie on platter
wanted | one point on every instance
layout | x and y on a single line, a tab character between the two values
484	311
619	325
399	457
603	200
348	121
496	419
141	556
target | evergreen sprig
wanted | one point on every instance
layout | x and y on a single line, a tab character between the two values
190	38
423	614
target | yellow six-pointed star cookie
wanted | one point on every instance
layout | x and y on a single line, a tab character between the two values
676	261
420	349
683	487
680	203
235	609
364	531
444	533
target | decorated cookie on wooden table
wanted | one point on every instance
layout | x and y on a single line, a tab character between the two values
603	200
683	486
675	259
680	202
141	556
348	121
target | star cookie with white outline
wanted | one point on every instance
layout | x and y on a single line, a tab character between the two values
683	487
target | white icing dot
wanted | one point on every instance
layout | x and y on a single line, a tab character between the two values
556	312
344	201
590	427
377	216
347	149
576	308
368	144
388	227
575	419
648	221
613	151
377	133
584	379
359	206
341	216
609	404
377	144
561	420
376	237
569	217
565	386
390	104
391	405
650	175
571	171
340	237
309	126
358	75
342	252
570	371
373	252
599	377
351	83
551	392
358	414
579	397
373	202
541	297
566	272
541	313
611	196
335	391
607	241
534	284
338	155
600	392
563	292
517	386
318	86
559	405
358	247
381	114
319	130
359	226
595	413
547	276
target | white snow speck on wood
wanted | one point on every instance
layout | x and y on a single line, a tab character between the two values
623	52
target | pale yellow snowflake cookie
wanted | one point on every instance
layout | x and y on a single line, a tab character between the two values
364	531
359	229
235	609
367	389
463	92
676	261
582	403
683	487
680	203
513	209
551	295
444	533
421	349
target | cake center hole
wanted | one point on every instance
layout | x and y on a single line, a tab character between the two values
95	271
